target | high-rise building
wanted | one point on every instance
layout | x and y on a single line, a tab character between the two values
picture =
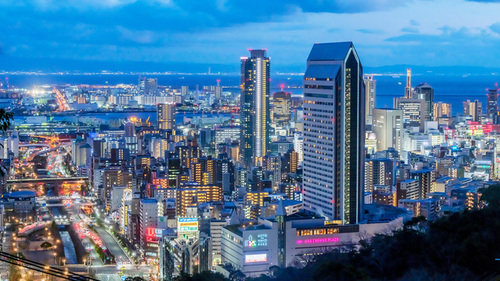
378	172
474	109
254	107
218	90
371	92
334	133
441	109
151	86
166	116
413	111
408	90
148	86
492	106
282	102
388	127
425	92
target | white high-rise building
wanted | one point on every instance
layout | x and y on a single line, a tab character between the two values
334	133
370	92
298	145
388	127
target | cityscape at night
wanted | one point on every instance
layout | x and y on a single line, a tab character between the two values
249	140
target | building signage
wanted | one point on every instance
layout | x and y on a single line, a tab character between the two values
318	240
255	258
256	241
154	232
187	225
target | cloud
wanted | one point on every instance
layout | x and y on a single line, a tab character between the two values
414	23
409	29
452	46
495	28
485	1
370	31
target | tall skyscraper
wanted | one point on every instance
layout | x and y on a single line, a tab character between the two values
371	99
282	102
218	90
441	109
492	109
425	92
165	114
334	133
388	127
408	92
254	107
474	109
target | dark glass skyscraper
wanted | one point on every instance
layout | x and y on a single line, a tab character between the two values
425	92
254	107
492	106
334	133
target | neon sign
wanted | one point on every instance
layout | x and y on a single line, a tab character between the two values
255	258
154	232
318	240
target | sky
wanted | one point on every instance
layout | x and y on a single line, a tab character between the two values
191	35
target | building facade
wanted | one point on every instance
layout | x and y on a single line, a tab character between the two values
334	132
254	107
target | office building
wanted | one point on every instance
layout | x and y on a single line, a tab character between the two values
378	172
287	239
388	127
473	109
166	116
492	106
282	102
371	98
148	86
408	89
413	111
334	133
148	217
441	109
254	107
425	92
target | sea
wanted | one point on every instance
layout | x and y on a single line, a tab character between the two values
454	89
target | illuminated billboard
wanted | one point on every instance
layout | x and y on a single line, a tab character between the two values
255	258
318	240
187	225
256	241
154	232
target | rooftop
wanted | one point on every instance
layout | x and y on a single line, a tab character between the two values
329	51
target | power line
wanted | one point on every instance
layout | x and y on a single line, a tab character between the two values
39	267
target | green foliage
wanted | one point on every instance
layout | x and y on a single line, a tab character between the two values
5	119
491	195
5	122
203	276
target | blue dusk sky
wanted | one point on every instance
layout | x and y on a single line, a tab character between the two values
190	35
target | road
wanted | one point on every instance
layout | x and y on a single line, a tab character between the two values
112	245
111	272
5	242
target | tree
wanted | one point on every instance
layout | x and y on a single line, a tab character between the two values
5	122
491	195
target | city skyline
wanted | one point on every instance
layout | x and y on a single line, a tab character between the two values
227	140
42	35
